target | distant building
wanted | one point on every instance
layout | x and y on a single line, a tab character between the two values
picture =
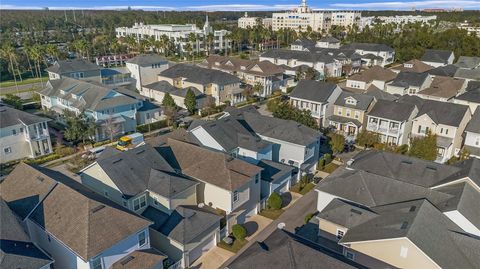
22	135
250	22
407	19
470	28
304	17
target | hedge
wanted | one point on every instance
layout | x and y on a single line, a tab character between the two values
153	126
44	159
239	232
274	201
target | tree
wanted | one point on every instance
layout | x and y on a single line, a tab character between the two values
13	100
424	147
8	52
80	127
274	201
367	139
337	142
168	101
287	112
258	88
272	104
310	74
239	232
190	101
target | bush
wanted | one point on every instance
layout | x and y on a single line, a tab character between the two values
274	201
44	159
308	217
153	126
327	157
321	163
239	232
64	151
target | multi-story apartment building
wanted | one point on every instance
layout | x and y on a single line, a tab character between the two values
317	97
470	28
22	135
392	121
178	34
407	19
303	18
373	53
250	22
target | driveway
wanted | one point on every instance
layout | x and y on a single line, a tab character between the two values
255	224
213	259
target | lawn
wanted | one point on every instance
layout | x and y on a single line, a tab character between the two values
11	83
329	168
307	188
235	247
298	188
271	213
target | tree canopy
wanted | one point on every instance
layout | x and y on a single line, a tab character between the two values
190	101
286	111
424	147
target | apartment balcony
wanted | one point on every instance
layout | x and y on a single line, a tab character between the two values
372	126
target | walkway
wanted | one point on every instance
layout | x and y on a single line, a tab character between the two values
214	258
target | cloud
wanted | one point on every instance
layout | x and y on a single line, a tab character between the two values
410	4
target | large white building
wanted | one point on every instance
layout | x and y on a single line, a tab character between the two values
303	17
246	21
178	34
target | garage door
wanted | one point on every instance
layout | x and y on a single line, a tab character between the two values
195	253
283	188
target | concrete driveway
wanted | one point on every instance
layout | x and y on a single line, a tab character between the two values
212	259
255	224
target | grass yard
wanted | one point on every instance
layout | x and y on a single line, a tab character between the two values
329	168
235	247
271	213
307	188
11	83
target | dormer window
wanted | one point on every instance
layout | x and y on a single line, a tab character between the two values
408	65
351	101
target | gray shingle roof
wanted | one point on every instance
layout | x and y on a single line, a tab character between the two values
16	248
446	71
148	60
283	250
368	47
441	112
303	56
342	119
473	74
406	79
165	87
186	224
75	65
346	214
363	101
436	56
392	110
468	62
472	92
273	170
316	91
11	116
304	42
474	124
199	75
329	39
140	169
469	168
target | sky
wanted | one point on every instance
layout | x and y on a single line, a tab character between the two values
238	5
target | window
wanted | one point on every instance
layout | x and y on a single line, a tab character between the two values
403	252
340	234
477	141
141	239
256	178
348	112
441	130
7	150
350	255
97	263
21	130
357	115
105	193
446	131
236	196
14	132
139	202
419	129
339	111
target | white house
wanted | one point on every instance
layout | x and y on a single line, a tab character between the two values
409	83
145	68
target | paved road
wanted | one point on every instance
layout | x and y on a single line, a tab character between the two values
293	217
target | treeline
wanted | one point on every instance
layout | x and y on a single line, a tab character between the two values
466	15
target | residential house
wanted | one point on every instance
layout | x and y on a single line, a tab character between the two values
472	136
468	68
264	73
328	43
115	110
220	85
446	71
75	68
437	58
18	251
317	97
157	91
373	54
415	66
445	120
226	183
471	96
405	198
282	249
276	177
144	258
350	113
22	135
392	121
443	89
302	44
145	68
76	226
375	76
408	83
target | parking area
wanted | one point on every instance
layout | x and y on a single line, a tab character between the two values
212	259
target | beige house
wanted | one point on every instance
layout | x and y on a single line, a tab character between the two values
443	89
375	76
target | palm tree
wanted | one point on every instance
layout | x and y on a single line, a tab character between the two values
192	38
165	44
37	53
210	38
52	50
188	48
8	52
26	49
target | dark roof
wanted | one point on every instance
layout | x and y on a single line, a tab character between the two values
472	92
374	73
199	75
444	87
140	259
165	87
474	124
368	47
473	74
284	250
11	116
186	224
414	66
342	119
446	71
392	110
316	91
363	101
147	106
469	168
468	62
143	168
304	42
74	65
303	56
238	111
329	39
408	79
273	170
16	248
346	214
436	56
148	59
426	227
440	112
84	221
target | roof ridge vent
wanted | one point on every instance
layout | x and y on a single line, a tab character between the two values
98	208
127	260
117	160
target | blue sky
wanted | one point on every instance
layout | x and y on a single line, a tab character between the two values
238	5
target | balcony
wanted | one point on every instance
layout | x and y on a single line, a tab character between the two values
371	126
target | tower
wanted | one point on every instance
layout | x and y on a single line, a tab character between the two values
207	28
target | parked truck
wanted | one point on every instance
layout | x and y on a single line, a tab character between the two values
127	142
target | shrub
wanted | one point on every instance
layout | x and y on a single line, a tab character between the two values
153	126
43	159
308	217
239	232
321	163
328	158
64	151
274	201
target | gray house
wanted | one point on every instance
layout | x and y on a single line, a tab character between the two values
76	68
